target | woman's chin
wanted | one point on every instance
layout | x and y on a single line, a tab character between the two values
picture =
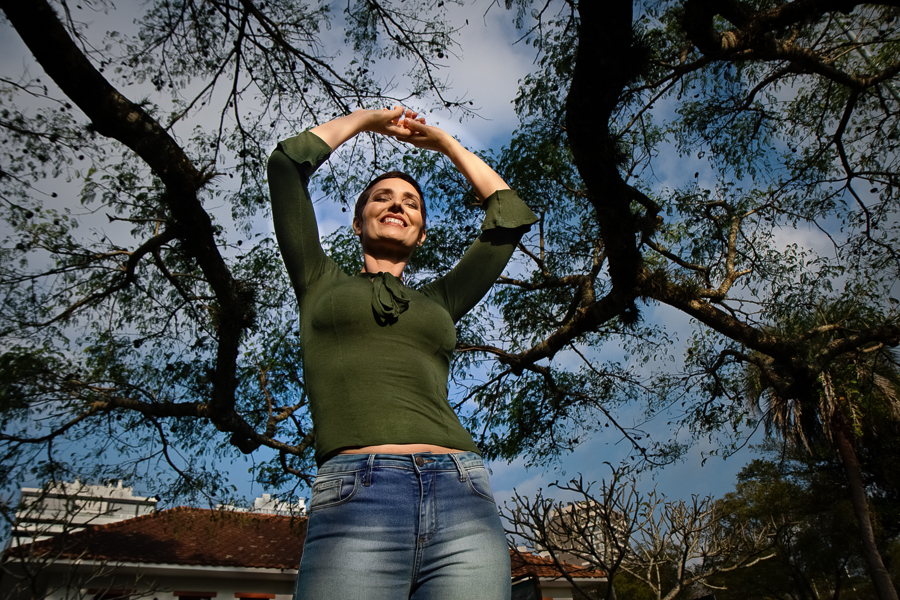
396	243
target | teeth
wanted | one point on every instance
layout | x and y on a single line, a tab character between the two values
393	220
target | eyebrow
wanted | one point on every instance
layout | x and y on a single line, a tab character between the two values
404	195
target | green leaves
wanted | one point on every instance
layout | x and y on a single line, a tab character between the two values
735	185
136	254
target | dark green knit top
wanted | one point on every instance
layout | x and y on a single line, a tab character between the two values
376	354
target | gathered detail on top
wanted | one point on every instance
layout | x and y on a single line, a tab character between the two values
389	299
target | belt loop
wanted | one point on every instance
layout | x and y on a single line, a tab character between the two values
367	478
459	467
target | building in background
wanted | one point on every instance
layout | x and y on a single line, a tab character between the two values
267	505
585	528
177	554
536	577
194	554
68	507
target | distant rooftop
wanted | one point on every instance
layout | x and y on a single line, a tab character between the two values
525	564
267	505
223	538
65	507
69	507
185	536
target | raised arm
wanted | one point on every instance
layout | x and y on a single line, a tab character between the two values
405	125
388	122
506	220
290	167
483	178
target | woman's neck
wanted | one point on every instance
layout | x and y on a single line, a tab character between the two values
372	264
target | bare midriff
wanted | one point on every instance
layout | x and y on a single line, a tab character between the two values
400	449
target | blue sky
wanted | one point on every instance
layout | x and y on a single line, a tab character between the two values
492	85
487	71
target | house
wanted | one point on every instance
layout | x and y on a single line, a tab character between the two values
195	554
587	528
537	577
177	554
68	507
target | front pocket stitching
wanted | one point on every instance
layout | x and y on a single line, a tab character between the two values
330	484
475	490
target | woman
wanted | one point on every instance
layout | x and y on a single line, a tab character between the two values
401	506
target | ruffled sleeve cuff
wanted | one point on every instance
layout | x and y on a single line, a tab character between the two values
505	209
307	150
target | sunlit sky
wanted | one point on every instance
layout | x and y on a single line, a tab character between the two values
487	70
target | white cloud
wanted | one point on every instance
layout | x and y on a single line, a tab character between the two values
488	74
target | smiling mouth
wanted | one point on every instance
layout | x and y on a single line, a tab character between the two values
394	221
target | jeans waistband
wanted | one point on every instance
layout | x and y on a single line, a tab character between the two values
422	461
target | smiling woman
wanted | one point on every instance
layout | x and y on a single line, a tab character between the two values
376	358
389	217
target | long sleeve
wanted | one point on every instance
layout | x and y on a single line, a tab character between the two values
506	220
289	170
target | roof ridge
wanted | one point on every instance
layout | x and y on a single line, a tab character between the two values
107	526
88	529
531	561
182	535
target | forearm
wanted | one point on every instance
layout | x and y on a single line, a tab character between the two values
339	130
483	178
384	122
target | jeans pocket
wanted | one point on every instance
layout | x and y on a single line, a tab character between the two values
477	478
332	489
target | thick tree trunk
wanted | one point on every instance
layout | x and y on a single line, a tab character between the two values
114	116
607	58
881	579
605	61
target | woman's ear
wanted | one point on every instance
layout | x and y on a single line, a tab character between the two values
357	228
421	239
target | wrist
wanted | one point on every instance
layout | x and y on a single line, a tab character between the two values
359	121
450	147
456	152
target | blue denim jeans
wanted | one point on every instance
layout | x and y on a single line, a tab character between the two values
403	527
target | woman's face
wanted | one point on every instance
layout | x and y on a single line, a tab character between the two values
391	219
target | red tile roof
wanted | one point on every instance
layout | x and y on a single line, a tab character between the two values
186	536
202	537
525	564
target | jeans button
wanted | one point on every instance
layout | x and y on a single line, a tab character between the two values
420	461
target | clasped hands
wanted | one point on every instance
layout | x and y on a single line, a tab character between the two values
407	126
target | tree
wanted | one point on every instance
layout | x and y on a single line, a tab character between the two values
818	551
794	105
668	547
789	135
858	391
177	337
156	332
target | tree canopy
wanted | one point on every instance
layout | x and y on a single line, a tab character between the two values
160	334
818	550
734	161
